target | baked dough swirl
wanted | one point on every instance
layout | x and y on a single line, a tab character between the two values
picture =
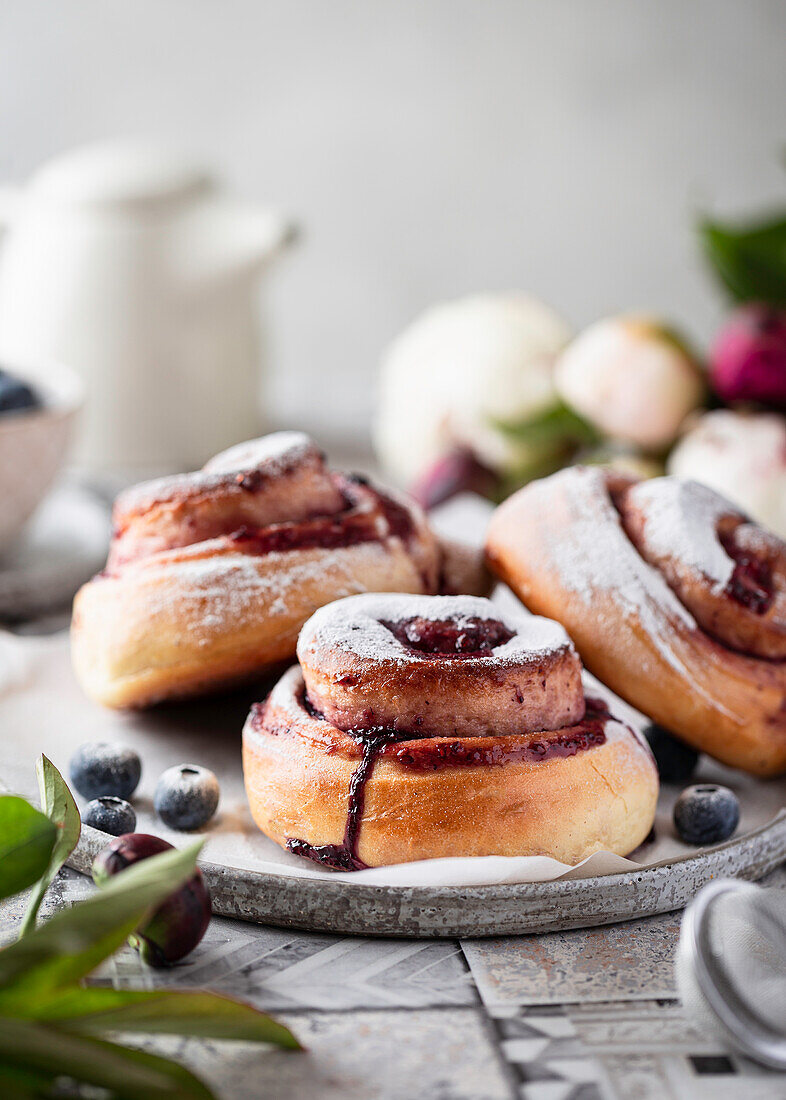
418	727
211	575
673	597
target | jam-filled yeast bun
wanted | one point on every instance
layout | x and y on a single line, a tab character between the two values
212	574
673	597
417	727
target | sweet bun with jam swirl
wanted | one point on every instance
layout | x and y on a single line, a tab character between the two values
211	575
418	727
673	597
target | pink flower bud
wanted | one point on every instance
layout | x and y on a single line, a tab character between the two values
748	359
456	472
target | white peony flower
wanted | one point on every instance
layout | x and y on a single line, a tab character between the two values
743	457
456	371
631	379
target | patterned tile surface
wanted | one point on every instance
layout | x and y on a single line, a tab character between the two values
621	962
585	1015
432	1054
279	970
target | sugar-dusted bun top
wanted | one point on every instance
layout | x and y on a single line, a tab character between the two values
241	469
267	496
729	572
680	520
439	664
401	627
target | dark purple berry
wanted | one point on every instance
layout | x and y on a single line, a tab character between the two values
186	796
180	922
98	768
110	815
15	395
706	814
676	761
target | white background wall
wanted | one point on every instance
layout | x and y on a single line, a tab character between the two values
429	147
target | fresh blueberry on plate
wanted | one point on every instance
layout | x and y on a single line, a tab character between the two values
186	796
676	761
706	814
16	395
98	768
111	815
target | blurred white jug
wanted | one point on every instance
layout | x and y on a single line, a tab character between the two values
129	264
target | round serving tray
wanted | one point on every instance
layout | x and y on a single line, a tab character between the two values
43	710
321	905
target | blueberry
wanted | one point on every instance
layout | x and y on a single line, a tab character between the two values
676	761
180	922
110	815
98	768
16	395
706	814
186	796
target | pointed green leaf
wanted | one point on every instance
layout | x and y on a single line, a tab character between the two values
171	1012
27	838
73	942
58	804
126	1073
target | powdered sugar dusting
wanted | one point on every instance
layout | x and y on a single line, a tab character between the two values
680	522
592	555
270	454
214	592
354	625
276	449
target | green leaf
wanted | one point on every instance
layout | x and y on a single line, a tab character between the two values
750	262
171	1012
23	1083
558	424
125	1072
543	443
26	841
58	804
73	942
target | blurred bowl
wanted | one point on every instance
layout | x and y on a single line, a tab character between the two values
34	443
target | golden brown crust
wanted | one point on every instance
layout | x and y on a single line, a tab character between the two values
298	770
560	545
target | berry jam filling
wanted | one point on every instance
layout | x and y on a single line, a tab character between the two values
751	582
432	754
342	529
449	637
344	857
367	515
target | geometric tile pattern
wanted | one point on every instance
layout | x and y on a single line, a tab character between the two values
279	970
558	1017
547	1054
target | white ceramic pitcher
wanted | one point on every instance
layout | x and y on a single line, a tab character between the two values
130	264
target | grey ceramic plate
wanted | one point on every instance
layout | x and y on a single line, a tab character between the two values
326	906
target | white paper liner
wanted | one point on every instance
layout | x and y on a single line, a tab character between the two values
43	710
